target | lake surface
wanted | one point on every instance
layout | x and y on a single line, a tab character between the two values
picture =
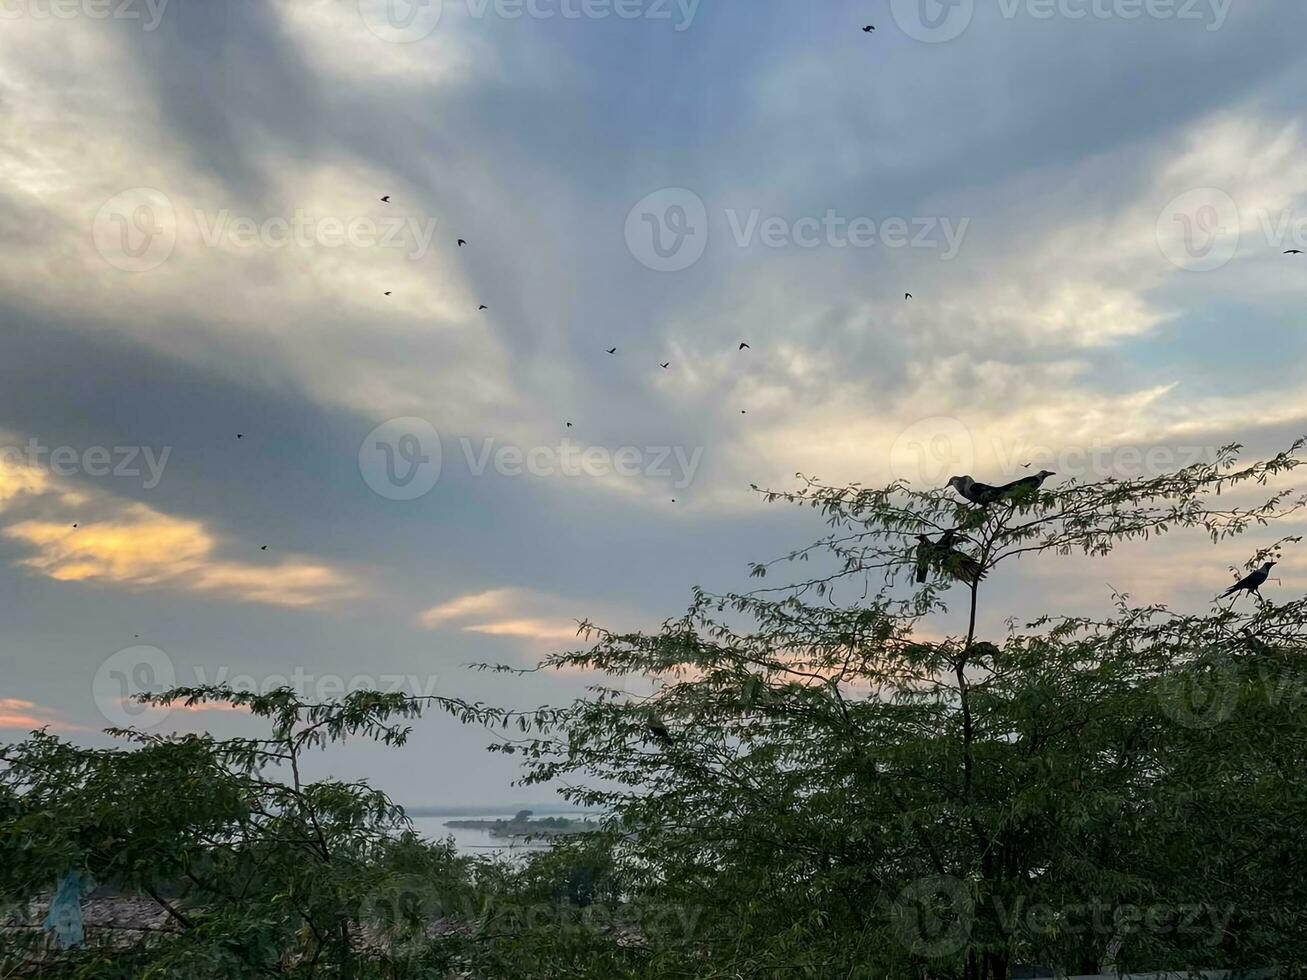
479	842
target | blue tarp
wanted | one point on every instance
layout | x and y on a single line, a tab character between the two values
64	920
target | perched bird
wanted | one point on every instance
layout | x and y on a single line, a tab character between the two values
612	350
984	494
657	729
1251	583
744	346
949	559
385	199
461	243
868	29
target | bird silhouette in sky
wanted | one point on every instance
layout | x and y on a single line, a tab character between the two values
240	435
1294	251
907	296
264	548
1251	583
74	525
386	293
868	29
612	350
984	494
461	243
744	346
665	366
569	425
482	307
385	199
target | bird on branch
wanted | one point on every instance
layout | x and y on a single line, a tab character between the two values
984	494
948	559
1251	583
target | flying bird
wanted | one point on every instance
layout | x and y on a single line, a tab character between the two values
482	307
386	293
1294	251
744	346
569	425
264	548
984	494
868	29
74	525
1251	583
385	199
665	366
907	296
461	243
612	350
240	435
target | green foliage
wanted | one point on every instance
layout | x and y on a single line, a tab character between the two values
259	873
836	777
846	793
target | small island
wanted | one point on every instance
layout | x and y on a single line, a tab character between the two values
521	825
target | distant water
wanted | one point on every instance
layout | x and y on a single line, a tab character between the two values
479	842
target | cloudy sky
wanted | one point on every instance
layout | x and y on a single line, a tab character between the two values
1089	201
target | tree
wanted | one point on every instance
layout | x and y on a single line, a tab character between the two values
844	794
259	872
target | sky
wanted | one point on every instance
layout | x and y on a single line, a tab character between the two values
296	450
